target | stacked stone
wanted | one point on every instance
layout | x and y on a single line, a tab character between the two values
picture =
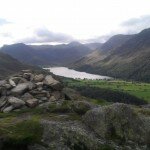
28	89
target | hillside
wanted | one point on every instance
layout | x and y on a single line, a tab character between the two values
130	60
47	54
94	46
115	41
38	113
9	65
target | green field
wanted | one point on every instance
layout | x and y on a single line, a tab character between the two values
140	90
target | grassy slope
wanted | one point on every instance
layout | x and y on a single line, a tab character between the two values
140	90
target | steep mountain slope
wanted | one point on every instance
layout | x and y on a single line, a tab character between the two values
47	54
115	41
94	46
129	60
9	65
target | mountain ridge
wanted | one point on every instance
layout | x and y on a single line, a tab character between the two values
127	61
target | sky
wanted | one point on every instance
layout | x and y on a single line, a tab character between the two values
63	21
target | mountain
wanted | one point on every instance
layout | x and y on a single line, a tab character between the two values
94	46
128	59
115	41
47	54
9	65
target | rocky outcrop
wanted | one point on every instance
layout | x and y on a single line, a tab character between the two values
120	123
28	89
69	135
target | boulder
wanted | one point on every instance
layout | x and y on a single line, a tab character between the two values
71	94
3	82
68	135
51	82
16	102
3	101
38	94
20	89
27	76
12	83
8	109
26	71
31	85
44	99
52	98
32	102
22	80
81	107
57	95
39	84
38	78
118	122
26	96
3	91
16	79
8	86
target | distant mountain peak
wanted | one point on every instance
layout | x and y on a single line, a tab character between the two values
74	43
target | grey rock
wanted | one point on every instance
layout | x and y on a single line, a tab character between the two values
26	71
3	82
12	83
39	94
81	107
68	135
39	84
8	86
44	99
16	79
118	122
31	85
20	88
38	78
32	102
16	102
26	96
3	101
57	95
27	76
52	98
71	94
50	81
8	109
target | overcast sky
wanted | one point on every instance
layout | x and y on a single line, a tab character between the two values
62	21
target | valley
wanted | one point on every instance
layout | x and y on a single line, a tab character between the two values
139	90
75	75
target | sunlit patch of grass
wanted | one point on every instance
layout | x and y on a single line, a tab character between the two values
140	90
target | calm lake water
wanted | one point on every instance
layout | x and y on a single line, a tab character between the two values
70	73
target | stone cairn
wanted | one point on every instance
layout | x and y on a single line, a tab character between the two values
29	90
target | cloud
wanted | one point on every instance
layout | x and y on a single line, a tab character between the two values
100	39
135	25
43	35
3	21
6	34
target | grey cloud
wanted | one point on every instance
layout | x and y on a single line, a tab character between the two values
43	35
6	35
100	39
135	25
3	21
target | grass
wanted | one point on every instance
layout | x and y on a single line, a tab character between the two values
18	133
140	90
22	128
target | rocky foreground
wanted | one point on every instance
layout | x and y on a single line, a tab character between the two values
28	90
37	113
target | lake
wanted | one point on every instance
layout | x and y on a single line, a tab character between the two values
70	73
